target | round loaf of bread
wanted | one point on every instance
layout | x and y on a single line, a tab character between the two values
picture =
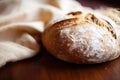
82	39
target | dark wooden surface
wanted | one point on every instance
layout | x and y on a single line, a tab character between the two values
98	3
45	67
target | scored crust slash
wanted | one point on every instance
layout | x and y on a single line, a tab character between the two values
72	32
83	38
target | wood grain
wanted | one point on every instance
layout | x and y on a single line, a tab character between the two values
45	67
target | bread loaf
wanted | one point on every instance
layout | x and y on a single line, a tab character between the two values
82	39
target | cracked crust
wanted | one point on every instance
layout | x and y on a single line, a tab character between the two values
82	39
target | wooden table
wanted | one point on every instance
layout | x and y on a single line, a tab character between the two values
45	67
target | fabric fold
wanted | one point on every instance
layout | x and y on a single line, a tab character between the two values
19	41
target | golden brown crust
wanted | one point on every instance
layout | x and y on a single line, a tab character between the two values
101	23
81	40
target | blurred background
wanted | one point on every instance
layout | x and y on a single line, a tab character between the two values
97	3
